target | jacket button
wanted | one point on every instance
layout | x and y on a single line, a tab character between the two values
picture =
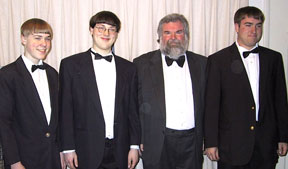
47	135
252	107
252	128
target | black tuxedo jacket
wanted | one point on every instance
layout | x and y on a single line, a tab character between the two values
230	116
25	133
81	117
152	103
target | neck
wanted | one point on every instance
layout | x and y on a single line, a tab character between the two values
101	51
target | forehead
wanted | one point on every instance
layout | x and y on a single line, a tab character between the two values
172	26
39	34
105	24
250	20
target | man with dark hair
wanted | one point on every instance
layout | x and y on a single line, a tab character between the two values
29	103
100	126
171	99
246	115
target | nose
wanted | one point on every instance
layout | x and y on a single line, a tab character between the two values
253	29
173	35
43	42
106	32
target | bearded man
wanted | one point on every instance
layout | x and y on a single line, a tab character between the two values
171	99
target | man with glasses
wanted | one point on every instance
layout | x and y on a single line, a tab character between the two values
100	126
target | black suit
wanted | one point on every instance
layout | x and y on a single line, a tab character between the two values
230	116
82	120
25	133
152	104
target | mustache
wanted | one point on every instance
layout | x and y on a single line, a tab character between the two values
175	41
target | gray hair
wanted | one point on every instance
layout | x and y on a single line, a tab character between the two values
174	17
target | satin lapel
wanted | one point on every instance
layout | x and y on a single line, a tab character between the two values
87	74
30	90
263	72
53	91
119	86
194	68
236	61
156	71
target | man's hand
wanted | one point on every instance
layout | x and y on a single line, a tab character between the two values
141	149
282	149
212	153
71	160
17	165
133	158
63	164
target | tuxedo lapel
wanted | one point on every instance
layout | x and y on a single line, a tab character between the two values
237	66
53	91
156	70
30	90
87	74
119	86
194	68
262	87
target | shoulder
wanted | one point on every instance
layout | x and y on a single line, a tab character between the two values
124	64
10	69
75	62
268	51
51	69
147	56
196	56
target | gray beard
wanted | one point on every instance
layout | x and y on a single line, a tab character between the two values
174	52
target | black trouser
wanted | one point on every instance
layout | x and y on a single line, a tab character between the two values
178	150
109	161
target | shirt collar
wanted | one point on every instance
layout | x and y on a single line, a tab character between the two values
242	49
28	63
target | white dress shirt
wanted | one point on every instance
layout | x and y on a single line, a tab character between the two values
105	73
179	100
39	77
251	64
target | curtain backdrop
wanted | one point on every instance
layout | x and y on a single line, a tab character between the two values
211	24
211	27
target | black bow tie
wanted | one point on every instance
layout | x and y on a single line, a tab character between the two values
246	54
98	56
180	61
34	67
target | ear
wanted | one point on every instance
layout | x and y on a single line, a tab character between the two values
91	30
237	27
23	40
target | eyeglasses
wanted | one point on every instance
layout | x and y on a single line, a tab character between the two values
102	29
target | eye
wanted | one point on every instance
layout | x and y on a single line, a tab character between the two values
179	32
48	38
37	37
112	30
166	32
259	25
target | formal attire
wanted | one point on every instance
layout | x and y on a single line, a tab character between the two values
170	124
29	115
83	107
246	113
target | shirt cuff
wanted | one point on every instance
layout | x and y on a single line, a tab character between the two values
68	151
134	147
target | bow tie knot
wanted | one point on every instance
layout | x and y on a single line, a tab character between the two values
246	54
180	61
98	56
35	67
